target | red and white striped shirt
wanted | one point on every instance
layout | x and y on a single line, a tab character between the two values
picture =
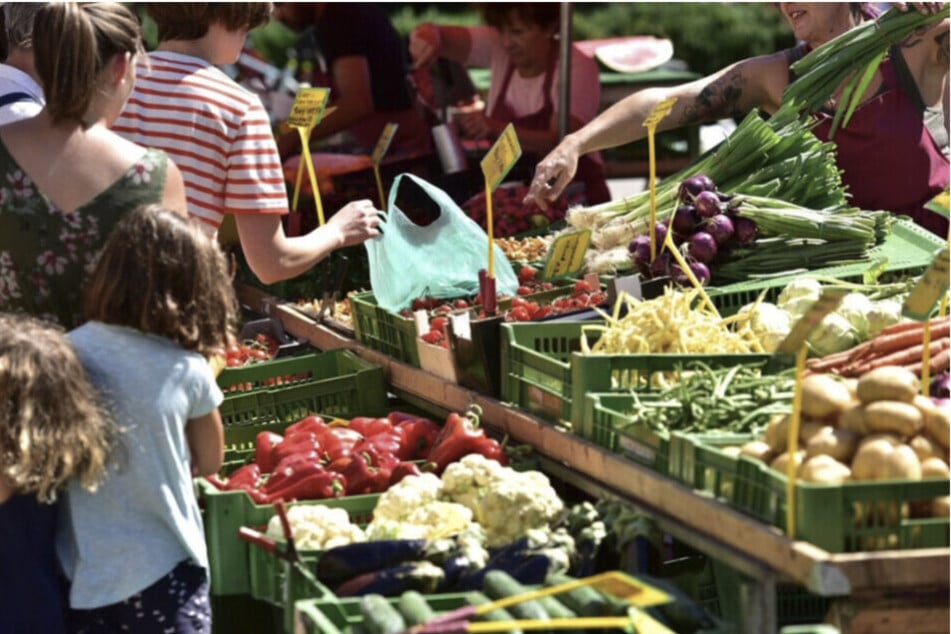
216	131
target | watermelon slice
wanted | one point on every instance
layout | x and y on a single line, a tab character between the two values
632	54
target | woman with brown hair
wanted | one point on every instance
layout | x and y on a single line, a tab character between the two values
65	178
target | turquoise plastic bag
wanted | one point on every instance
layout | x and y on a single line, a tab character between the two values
430	248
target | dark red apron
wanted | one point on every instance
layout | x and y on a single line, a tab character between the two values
589	172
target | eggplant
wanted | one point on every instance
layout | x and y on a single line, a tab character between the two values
339	564
421	576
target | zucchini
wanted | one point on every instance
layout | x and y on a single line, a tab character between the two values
379	617
585	600
414	608
499	584
498	614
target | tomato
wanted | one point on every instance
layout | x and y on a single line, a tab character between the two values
526	274
439	324
433	337
461	304
582	287
520	313
524	290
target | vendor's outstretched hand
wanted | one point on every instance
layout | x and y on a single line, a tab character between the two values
553	174
356	222
424	43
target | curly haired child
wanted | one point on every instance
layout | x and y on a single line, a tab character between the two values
158	303
52	428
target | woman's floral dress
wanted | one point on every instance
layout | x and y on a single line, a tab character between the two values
45	253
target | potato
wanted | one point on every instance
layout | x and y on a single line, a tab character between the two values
781	462
937	419
935	467
823	396
837	443
941	507
824	469
869	460
853	419
809	428
891	439
901	464
776	434
896	417
889	383
757	449
926	448
852	386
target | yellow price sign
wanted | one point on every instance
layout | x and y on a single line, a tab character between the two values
929	289
500	159
800	331
383	144
566	255
656	115
308	108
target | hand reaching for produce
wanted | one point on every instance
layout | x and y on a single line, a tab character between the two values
424	42
356	222
553	174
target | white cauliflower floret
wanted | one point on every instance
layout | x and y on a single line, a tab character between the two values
801	288
855	307
383	529
317	527
512	506
465	481
441	519
884	313
410	493
769	323
833	334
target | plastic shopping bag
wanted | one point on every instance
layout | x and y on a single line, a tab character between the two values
429	247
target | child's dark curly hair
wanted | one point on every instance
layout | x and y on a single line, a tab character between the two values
53	426
159	273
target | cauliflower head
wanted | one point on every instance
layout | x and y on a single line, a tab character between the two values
523	501
412	492
317	527
467	480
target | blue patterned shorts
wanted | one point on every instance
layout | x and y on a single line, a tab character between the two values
177	603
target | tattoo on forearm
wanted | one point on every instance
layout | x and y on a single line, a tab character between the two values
719	99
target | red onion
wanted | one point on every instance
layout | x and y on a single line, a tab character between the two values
721	228
640	249
659	267
685	220
701	272
691	187
707	204
744	230
702	247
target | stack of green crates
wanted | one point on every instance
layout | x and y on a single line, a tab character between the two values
270	396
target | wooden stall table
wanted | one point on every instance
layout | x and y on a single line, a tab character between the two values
873	592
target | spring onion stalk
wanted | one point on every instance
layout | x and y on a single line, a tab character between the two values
823	70
774	256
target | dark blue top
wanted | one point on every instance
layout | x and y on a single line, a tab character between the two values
32	597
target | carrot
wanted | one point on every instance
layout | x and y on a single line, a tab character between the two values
939	363
904	357
884	344
903	326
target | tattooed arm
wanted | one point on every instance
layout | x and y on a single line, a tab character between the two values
731	92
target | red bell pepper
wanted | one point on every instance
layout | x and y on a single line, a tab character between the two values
292	469
313	423
368	472
371	426
339	442
384	442
316	484
419	435
246	478
397	417
402	470
460	436
300	443
264	444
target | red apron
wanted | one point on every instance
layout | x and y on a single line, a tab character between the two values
589	172
910	169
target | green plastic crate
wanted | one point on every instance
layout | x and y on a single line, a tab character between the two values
544	372
698	460
383	331
794	604
276	582
226	511
332	383
331	615
909	249
851	517
608	423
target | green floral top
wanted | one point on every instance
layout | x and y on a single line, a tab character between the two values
45	253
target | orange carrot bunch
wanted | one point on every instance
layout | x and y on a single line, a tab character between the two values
897	345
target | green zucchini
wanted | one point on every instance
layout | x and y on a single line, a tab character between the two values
499	584
414	608
498	614
584	600
379	616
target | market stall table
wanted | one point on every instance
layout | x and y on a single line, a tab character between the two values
885	591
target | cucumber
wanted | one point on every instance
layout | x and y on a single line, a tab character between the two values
379	617
585	600
499	584
499	614
414	608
